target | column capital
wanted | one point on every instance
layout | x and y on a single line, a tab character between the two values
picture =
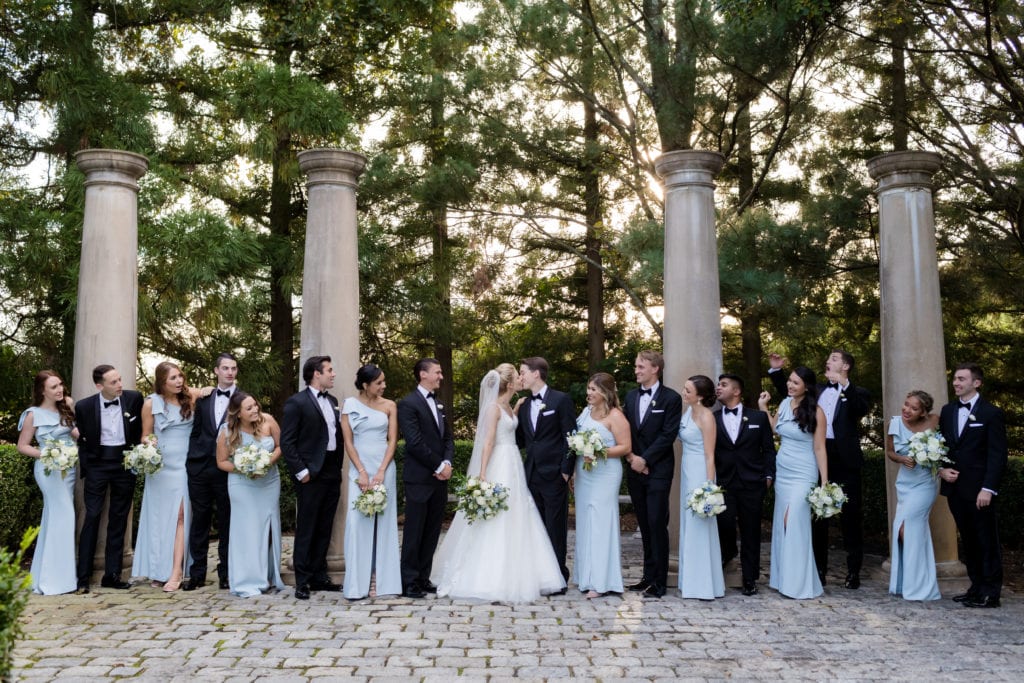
331	166
904	169
112	167
689	167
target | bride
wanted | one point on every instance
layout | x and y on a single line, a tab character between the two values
507	558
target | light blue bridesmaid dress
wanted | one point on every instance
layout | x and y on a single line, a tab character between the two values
254	554
913	560
598	563
166	492
53	563
370	438
700	555
793	572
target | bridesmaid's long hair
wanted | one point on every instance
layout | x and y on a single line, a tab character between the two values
67	416
234	421
183	396
605	384
806	414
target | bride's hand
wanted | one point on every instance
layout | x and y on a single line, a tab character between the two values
515	409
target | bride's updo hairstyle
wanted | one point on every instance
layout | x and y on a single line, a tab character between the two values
605	384
507	375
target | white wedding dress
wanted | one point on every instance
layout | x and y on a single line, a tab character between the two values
507	558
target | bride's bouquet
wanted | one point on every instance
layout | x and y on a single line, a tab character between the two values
58	455
707	500
145	458
928	449
372	501
589	445
251	460
826	501
480	499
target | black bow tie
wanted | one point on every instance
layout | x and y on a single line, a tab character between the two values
645	392
732	411
538	397
224	392
322	394
966	406
430	394
115	402
832	385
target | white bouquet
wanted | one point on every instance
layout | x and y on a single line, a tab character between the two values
251	460
372	501
707	500
480	499
826	501
58	455
145	458
587	444
928	449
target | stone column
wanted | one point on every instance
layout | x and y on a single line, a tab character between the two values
693	332
330	286
913	354
106	330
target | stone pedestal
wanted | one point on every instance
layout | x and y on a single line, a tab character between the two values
106	330
693	332
330	286
913	355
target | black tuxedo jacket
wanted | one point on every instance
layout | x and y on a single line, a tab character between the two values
751	458
851	408
547	448
87	419
202	442
978	452
427	443
304	433
654	435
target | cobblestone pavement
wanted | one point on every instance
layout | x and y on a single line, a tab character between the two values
210	635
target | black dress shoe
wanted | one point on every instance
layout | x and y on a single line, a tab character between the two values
853	581
428	587
749	588
324	585
114	582
223	583
302	592
641	585
987	601
413	592
964	597
558	592
654	592
821	577
82	589
193	583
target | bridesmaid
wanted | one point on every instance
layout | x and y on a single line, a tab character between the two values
800	463
700	555
51	416
254	554
167	418
369	426
913	560
597	569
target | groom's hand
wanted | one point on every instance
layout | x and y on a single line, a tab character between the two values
445	474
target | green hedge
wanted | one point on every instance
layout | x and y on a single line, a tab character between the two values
21	502
15	584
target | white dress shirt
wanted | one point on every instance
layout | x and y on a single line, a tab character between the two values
732	422
432	404
645	399
220	403
535	405
111	423
828	399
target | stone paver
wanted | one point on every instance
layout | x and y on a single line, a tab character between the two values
210	635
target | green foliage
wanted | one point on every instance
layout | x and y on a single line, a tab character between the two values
21	503
14	589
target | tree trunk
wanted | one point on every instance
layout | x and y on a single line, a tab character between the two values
593	214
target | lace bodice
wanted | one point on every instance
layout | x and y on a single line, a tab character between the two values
506	430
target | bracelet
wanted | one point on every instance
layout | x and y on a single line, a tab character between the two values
362	471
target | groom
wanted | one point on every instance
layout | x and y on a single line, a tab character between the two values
544	422
429	451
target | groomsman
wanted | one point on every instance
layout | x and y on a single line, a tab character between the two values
745	468
545	420
845	405
975	432
208	485
311	445
653	411
109	423
429	451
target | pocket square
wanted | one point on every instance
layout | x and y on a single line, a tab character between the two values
548	412
972	425
753	426
657	411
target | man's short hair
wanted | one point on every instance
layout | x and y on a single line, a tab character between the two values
99	371
537	364
732	378
313	365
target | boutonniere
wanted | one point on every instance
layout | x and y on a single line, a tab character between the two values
127	414
542	407
337	409
971	417
745	419
654	403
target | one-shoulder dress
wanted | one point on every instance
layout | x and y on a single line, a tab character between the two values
700	555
